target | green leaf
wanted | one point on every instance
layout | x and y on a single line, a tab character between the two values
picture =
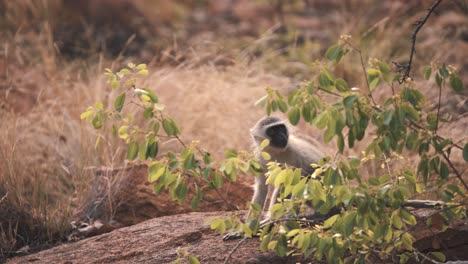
408	217
439	256
141	66
264	144
340	143
180	192
374	181
348	223
119	102
294	116
123	132
261	101
310	88
124	71
170	127
409	176
189	161
148	113
444	71
155	171
196	199
115	84
456	83
321	120
328	135
265	241
232	153
282	106
385	70
326	80
373	77
388	117
407	241
98	120
193	260
348	101
99	105
306	112
132	150
396	221
427	71
219	225
152	150
334	53
465	152
341	85
87	114
152	95
143	72
274	106
282	246
265	155
330	221
444	171
143	150
217	180
413	96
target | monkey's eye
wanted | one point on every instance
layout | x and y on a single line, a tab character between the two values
274	131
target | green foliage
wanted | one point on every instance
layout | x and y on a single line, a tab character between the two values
372	215
183	256
371	220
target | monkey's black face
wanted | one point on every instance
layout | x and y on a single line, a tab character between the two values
278	135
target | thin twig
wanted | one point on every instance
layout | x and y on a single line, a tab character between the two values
454	169
234	250
419	25
417	252
438	111
388	167
329	92
423	204
4	197
262	226
317	218
364	70
225	201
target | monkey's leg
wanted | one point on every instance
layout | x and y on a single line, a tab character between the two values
260	193
259	197
273	201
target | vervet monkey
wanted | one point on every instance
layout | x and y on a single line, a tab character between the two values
285	148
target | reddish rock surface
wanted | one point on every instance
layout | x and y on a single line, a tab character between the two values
153	241
158	240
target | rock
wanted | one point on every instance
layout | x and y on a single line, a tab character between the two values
153	241
159	240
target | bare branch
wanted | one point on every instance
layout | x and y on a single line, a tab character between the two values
419	25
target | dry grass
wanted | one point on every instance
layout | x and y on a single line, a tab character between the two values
46	152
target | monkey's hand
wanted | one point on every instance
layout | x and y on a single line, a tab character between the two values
233	236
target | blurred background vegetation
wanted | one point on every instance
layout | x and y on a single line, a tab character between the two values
210	61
